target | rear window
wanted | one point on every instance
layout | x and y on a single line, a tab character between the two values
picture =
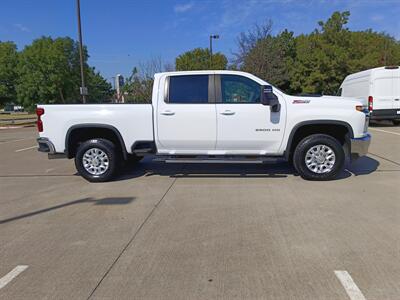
188	89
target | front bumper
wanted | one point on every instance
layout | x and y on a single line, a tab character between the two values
46	146
359	146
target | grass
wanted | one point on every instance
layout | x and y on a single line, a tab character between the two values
16	116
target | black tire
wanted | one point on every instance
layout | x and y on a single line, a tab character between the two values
306	144
396	122
112	156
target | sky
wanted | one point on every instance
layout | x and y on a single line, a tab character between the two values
121	34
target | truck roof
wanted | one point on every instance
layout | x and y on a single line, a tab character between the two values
204	72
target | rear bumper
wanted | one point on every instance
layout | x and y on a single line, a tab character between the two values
359	146
385	114
46	146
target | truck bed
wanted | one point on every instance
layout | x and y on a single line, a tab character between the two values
133	121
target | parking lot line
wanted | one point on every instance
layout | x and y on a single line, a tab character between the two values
24	149
132	238
385	131
349	285
11	275
381	157
19	140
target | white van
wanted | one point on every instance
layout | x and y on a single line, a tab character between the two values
379	88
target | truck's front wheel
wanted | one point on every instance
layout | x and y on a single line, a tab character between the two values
319	157
96	160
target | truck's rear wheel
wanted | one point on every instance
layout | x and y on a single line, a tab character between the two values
96	160
319	157
396	122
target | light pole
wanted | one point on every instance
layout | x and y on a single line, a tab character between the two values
83	89
213	36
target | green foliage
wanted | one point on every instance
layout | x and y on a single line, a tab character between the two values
316	62
49	72
8	76
138	87
100	90
199	59
138	90
270	58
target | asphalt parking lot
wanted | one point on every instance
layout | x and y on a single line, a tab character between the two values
198	231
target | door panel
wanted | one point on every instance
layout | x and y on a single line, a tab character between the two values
244	125
186	120
184	127
396	90
383	93
249	128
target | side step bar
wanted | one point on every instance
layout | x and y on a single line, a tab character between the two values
219	160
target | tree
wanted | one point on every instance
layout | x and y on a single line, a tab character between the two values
247	41
138	87
49	72
199	59
100	90
270	58
326	56
316	62
322	57
8	76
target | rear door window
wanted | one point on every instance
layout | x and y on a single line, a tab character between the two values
188	89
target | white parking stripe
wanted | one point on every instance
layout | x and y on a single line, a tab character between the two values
350	287
12	141
385	131
11	275
19	150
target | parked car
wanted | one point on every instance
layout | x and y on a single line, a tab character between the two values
11	108
208	117
380	87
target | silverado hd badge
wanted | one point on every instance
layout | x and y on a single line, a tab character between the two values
301	101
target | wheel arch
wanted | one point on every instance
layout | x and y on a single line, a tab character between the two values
80	132
344	132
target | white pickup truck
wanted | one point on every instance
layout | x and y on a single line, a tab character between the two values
208	117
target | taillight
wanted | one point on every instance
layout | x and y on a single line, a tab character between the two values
39	113
370	103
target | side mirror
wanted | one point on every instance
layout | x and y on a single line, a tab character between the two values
269	98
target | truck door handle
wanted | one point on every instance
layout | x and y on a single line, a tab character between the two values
228	113
167	113
397	99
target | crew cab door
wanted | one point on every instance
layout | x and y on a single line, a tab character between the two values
244	125
186	116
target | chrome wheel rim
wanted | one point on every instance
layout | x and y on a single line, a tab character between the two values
320	159
95	161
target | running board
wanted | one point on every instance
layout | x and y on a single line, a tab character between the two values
202	160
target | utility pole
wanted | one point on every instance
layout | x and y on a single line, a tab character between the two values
215	36
83	89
